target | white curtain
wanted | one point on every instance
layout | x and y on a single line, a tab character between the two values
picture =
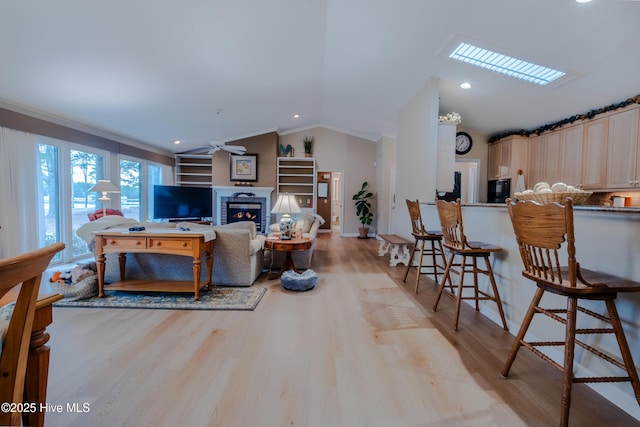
18	192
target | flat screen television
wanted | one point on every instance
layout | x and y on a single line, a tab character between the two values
172	202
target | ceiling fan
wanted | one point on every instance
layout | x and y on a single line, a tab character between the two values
221	146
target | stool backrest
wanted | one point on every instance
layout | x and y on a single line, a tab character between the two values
417	226
541	231
450	214
24	270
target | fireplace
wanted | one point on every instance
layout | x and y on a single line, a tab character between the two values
235	204
242	211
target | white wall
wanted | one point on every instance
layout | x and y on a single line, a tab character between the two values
417	147
385	177
337	151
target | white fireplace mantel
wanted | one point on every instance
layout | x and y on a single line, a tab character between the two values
229	191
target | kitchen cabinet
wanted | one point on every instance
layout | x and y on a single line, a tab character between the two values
594	154
552	157
499	160
506	157
194	170
535	162
622	150
599	154
571	146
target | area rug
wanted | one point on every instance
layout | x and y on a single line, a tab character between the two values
219	298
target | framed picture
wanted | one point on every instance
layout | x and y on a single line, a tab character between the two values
244	168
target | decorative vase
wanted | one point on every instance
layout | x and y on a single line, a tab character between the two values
286	227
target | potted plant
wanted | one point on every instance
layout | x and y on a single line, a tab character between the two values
363	209
308	145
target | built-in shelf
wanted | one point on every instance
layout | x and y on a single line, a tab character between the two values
194	170
297	175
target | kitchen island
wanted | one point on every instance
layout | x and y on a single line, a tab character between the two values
607	239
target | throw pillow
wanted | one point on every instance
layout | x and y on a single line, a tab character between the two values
305	223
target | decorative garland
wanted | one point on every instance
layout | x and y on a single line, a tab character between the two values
553	126
450	119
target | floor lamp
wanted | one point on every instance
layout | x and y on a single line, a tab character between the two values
104	186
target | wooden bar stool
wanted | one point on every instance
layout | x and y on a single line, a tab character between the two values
433	249
455	241
540	232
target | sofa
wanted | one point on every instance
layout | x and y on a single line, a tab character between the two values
238	253
307	224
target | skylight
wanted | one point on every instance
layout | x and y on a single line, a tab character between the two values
504	64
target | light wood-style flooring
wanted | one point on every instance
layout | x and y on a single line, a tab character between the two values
358	350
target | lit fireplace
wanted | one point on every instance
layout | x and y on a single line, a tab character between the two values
238	211
250	198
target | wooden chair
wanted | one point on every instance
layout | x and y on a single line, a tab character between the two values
455	241
540	232
25	270
422	236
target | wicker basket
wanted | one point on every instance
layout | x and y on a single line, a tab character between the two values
546	198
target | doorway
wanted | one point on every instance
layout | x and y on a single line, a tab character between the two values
329	199
469	180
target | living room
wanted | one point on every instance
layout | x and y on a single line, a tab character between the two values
335	363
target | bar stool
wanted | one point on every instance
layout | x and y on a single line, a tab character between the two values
422	236
455	241
540	231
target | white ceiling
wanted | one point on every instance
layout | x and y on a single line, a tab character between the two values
157	70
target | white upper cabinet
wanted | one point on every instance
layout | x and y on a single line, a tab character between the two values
622	150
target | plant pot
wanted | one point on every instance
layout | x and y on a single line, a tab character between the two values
364	232
307	154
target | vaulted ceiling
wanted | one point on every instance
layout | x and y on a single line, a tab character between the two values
156	71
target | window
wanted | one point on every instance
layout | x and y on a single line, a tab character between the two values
50	196
130	191
86	169
66	174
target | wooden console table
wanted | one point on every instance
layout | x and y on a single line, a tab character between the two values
187	243
35	381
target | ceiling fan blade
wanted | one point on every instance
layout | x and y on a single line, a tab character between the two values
235	149
238	152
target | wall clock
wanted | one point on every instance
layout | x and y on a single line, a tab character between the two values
463	143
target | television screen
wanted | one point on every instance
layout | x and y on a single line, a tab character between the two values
171	202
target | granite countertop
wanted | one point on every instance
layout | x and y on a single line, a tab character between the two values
583	208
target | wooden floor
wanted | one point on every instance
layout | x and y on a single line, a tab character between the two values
358	350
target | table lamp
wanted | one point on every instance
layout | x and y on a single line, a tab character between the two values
104	186
285	205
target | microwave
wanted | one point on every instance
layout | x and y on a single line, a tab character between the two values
499	190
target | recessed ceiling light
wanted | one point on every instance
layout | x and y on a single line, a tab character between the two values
503	64
466	85
296	115
177	141
583	1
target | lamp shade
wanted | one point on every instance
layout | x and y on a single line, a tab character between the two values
286	204
104	186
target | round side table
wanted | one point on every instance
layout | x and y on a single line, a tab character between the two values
287	246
